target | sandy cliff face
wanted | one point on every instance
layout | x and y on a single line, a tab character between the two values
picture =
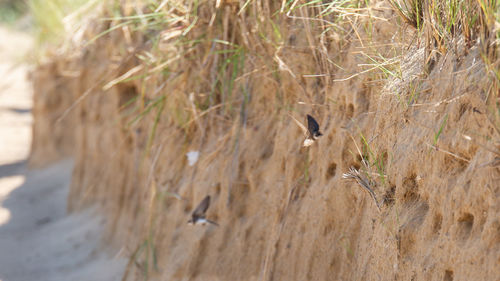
56	90
428	133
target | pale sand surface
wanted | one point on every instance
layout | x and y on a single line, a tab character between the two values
38	239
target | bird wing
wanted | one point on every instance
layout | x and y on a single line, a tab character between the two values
302	127
201	209
312	125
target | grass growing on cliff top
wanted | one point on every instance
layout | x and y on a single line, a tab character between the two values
55	20
184	31
444	21
11	10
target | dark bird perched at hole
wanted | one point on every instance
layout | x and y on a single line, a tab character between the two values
198	215
313	129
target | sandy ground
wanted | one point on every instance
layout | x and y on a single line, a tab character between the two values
38	240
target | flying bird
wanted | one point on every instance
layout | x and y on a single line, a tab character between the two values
313	128
312	132
198	215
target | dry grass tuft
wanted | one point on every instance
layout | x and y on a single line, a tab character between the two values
363	182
